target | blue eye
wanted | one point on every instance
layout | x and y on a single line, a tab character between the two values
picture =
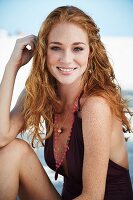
78	49
55	48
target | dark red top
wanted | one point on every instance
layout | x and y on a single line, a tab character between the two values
118	184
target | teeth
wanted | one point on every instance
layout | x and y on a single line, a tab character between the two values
66	69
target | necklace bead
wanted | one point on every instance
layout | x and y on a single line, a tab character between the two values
59	130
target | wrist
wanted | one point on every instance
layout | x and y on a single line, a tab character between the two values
12	66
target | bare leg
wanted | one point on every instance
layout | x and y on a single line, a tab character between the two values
21	171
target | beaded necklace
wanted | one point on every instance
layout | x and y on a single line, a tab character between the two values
57	132
60	129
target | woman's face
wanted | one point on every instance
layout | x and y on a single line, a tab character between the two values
67	52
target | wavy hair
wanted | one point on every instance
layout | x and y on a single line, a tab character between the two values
41	91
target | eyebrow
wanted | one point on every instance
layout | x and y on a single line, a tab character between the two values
75	43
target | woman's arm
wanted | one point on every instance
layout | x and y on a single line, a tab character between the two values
11	122
97	129
6	91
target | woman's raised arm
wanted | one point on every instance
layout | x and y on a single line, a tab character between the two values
11	122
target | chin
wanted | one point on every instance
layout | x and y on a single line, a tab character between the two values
67	82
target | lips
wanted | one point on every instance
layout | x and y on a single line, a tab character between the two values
66	69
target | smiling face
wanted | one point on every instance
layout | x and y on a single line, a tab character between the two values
67	52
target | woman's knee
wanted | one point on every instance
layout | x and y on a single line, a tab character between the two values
16	148
11	157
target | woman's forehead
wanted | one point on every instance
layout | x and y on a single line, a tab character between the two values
67	31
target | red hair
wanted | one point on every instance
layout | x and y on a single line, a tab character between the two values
41	91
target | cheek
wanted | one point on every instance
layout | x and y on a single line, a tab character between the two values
52	58
86	58
49	58
83	60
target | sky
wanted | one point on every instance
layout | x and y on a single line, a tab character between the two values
113	17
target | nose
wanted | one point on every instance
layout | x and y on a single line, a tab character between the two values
66	57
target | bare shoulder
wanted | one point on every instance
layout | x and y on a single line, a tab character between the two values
97	118
96	105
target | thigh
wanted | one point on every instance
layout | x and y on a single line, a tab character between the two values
34	182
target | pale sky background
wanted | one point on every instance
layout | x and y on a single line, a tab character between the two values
114	17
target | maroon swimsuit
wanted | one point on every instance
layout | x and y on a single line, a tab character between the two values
118	184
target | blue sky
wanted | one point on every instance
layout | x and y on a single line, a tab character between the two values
113	17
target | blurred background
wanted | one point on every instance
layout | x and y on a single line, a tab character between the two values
113	17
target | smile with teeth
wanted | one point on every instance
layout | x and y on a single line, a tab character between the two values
66	69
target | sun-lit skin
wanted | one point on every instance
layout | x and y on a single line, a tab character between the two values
67	53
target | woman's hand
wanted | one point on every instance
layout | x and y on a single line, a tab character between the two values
23	51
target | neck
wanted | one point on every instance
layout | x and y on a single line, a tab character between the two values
68	93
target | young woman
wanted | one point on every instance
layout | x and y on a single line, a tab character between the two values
72	89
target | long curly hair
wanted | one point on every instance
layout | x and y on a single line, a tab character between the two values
41	97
